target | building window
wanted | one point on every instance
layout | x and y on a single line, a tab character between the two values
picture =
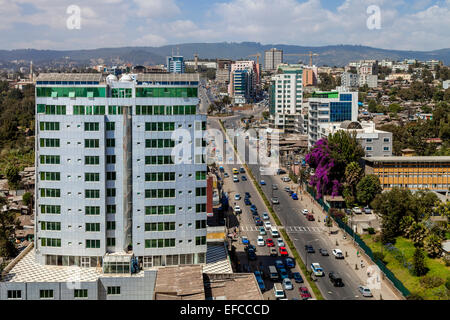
92	244
159	160
110	126
386	148
92	211
49	209
159	210
49	143
80	293
113	291
49	242
200	175
14	294
91	177
386	140
200	224
369	140
49	126
200	192
50	226
111	209
368	148
200	241
110	225
111	192
159	193
110	242
91	126
110	159
46	294
92	160
110	143
200	208
111	176
50	193
92	194
92	227
91	143
159	176
50	176
160	226
159	243
50	159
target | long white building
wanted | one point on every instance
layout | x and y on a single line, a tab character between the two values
108	181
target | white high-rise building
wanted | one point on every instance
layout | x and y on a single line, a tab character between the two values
108	181
286	97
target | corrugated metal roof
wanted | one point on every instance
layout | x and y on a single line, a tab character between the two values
97	77
159	77
408	159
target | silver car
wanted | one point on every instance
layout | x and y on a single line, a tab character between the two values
287	284
365	291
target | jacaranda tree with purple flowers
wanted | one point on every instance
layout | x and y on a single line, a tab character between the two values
329	157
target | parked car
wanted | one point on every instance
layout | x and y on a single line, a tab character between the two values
323	252
260	242
262	231
297	277
338	254
265	216
237	196
290	263
275	201
286	179
304	293
253	207
294	196
270	243
287	189
260	281
280	243
365	291
235	179
267	225
263	183
283	273
367	210
225	175
244	178
310	217
279	264
258	221
237	209
357	210
274	187
305	211
249	247
251	254
248	195
283	251
287	284
247	202
245	240
242	170
273	252
281	171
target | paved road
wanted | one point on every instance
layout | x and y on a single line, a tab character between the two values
289	212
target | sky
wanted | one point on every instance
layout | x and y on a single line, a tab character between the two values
390	24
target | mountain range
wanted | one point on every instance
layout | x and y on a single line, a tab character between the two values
335	55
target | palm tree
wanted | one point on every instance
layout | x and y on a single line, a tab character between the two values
353	173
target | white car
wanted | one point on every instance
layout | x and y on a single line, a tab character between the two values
280	243
338	254
267	225
305	211
287	284
286	179
237	209
261	241
357	210
237	196
365	291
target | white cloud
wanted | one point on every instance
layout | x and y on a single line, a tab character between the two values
156	8
150	40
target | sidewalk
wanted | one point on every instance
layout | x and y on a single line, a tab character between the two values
353	255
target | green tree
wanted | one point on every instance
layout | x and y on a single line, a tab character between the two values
433	245
367	189
12	174
420	268
266	115
27	198
395	108
372	108
7	227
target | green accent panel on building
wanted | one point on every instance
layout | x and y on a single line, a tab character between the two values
326	95
166	92
71	92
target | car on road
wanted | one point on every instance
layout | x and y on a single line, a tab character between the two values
267	225
278	291
287	189
253	207
335	279
297	277
338	254
290	263
249	247
244	178
270	243
247	202
260	242
323	252
287	284
286	179
248	195
283	251
305	211
304	293
274	232
265	216
317	269
245	240
241	170
251	254
281	171
274	187
275	201
226	175
294	196
365	291
262	231
253	210
235	179
283	273
254	213
263	183
279	264
310	217
258	221
309	249
237	197
357	210
280	243
273	252
237	209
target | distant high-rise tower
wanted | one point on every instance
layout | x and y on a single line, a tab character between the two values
175	64
272	59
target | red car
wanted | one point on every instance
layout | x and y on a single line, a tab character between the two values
283	251
269	243
304	293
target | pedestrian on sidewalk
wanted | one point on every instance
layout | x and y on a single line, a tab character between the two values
362	264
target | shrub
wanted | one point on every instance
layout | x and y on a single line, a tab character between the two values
415	296
379	255
419	263
447	260
371	230
431	282
447	283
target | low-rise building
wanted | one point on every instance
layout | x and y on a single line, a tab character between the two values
413	172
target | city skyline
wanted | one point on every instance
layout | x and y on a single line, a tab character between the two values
404	25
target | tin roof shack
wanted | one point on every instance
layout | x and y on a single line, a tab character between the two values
231	286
